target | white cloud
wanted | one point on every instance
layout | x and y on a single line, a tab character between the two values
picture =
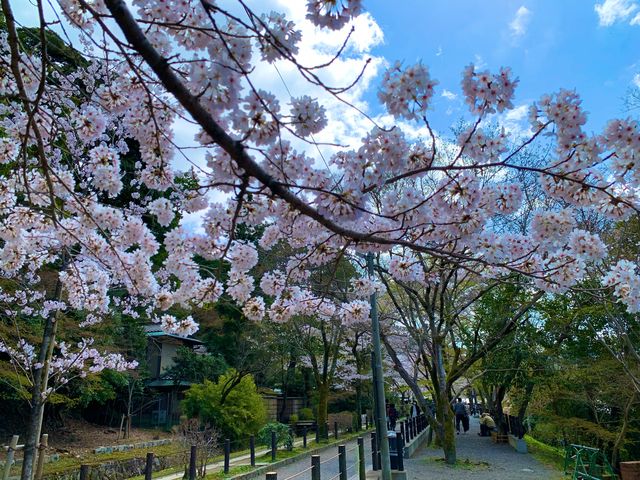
612	11
448	95
636	80
479	62
518	25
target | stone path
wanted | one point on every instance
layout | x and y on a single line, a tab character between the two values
487	461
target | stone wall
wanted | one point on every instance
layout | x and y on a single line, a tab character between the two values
121	469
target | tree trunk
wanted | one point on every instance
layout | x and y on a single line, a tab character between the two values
500	393
445	435
323	407
615	453
359	405
38	398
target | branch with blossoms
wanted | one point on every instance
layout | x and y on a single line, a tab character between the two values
67	364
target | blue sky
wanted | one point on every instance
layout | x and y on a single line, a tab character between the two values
549	44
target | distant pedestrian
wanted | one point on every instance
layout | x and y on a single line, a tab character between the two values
393	416
415	410
461	413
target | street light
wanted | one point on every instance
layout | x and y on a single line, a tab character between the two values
380	415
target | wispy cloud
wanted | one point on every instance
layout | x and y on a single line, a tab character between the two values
636	80
518	25
448	95
613	11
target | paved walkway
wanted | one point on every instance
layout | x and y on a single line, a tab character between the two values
329	470
478	459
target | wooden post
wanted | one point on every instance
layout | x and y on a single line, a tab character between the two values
374	451
148	469
272	475
10	454
227	454
400	451
192	462
402	429
274	446
362	472
252	449
335	430
84	472
42	448
304	437
315	467
342	461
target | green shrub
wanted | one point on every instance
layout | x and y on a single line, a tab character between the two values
239	414
306	414
283	435
293	419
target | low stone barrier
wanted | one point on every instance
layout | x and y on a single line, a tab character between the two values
132	446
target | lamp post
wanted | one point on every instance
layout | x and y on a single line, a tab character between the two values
380	415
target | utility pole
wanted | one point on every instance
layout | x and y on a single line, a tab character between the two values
380	415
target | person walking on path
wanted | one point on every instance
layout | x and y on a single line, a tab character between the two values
461	413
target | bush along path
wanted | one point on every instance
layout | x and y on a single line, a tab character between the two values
479	459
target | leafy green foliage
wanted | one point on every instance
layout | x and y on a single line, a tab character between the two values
306	414
283	435
232	404
192	367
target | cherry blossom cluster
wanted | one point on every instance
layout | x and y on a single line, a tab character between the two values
487	93
110	156
68	362
624	279
333	14
406	92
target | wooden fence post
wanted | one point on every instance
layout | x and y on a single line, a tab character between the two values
44	443
84	472
274	446
374	451
10	454
362	473
272	475
342	461
400	451
315	467
148	469
227	454
192	462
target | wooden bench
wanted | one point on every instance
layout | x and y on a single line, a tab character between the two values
499	437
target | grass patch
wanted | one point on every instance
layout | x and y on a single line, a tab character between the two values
546	454
466	464
232	471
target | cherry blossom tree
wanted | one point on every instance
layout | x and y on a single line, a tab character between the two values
157	65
